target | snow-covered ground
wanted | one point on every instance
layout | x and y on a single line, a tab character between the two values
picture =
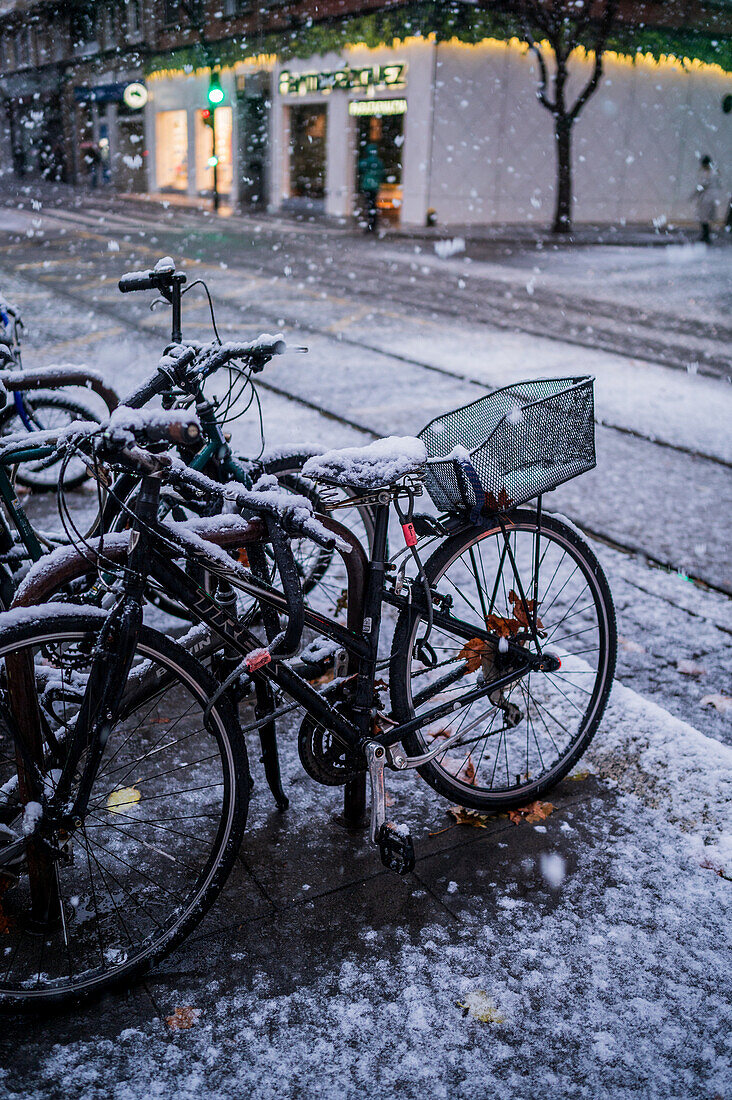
586	955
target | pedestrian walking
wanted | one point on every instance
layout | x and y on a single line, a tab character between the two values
370	176
707	195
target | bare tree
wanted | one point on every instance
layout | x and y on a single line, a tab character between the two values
560	26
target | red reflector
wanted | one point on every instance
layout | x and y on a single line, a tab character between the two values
257	659
410	535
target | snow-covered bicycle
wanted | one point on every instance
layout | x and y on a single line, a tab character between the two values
124	779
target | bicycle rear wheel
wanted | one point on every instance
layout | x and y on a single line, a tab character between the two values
519	742
164	821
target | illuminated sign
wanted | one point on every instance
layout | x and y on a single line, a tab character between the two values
346	79
362	107
135	96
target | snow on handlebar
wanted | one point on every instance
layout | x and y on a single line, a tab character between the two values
151	426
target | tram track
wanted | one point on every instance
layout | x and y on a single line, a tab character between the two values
502	303
130	319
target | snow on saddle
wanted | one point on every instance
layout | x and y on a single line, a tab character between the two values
372	467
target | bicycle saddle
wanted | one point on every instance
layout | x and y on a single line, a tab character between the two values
374	466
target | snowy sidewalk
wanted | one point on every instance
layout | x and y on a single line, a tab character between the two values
585	951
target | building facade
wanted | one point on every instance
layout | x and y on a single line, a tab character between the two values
115	94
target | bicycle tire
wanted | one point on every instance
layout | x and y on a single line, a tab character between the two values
39	404
170	915
456	777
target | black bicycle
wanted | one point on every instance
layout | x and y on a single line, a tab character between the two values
124	771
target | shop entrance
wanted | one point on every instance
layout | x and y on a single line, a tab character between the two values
253	144
308	128
385	131
171	150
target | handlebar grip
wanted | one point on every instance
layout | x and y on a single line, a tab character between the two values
138	280
144	393
182	433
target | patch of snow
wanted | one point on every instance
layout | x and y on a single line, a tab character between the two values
32	815
377	464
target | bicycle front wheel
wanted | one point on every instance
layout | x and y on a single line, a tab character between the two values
44	410
162	827
517	742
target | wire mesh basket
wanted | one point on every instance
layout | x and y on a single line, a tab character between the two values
510	446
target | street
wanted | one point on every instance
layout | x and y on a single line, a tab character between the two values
606	978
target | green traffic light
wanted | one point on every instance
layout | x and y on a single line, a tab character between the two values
216	94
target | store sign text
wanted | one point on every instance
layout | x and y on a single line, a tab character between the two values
347	79
362	108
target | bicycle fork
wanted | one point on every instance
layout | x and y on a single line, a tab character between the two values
112	660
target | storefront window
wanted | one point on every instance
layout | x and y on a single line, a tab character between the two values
204	147
171	145
385	132
308	127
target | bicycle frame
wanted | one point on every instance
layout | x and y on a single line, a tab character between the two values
360	644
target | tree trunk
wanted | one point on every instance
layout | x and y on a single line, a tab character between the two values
563	209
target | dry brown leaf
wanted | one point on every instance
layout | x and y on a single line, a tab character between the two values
5	922
465	816
468	772
722	703
690	668
535	811
243	557
520	612
501	504
159	721
326	678
481	1007
183	1018
341	603
471	653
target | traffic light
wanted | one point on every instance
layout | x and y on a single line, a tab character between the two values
216	93
208	117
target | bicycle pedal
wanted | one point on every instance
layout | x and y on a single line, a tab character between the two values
396	849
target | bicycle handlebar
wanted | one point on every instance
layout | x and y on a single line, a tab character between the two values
161	277
158	427
186	365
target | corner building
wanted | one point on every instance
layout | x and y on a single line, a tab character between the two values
459	130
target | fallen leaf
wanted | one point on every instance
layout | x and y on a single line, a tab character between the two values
472	653
326	678
519	612
501	504
243	557
341	603
579	776
6	923
690	668
505	628
123	796
535	811
183	1018
468	771
481	1007
720	702
159	721
465	816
